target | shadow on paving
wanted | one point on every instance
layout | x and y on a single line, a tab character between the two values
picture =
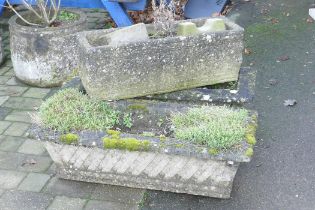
281	175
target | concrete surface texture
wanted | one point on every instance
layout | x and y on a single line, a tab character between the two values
45	58
281	174
160	65
27	174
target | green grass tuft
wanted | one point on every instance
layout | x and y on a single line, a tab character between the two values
70	110
67	16
212	126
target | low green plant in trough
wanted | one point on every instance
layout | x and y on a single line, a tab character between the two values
217	127
70	110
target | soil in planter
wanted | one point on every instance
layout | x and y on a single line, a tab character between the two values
226	85
64	17
147	16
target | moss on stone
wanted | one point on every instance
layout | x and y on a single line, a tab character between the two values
251	131
69	138
162	138
130	144
251	139
179	145
146	145
148	134
249	152
113	132
213	151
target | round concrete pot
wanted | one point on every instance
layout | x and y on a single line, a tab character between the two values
44	57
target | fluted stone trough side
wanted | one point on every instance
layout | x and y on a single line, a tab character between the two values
160	64
149	170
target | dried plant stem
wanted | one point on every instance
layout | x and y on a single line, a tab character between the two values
163	16
46	11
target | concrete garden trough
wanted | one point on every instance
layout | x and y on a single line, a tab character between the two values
165	163
44	57
241	93
160	64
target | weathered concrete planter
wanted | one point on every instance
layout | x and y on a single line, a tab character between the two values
242	94
44	57
159	65
168	164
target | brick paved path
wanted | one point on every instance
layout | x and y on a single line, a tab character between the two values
27	179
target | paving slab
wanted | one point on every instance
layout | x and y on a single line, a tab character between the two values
34	182
107	205
9	73
15	81
11	143
3	99
10	161
4	125
32	147
3	70
66	203
34	163
4	111
69	188
118	194
12	90
19	116
1	192
20	200
36	92
4	79
17	129
10	179
52	170
22	103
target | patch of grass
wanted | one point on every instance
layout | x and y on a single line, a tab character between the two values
70	110
127	120
108	26
67	16
212	126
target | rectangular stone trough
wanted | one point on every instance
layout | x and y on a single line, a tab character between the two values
167	164
159	64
